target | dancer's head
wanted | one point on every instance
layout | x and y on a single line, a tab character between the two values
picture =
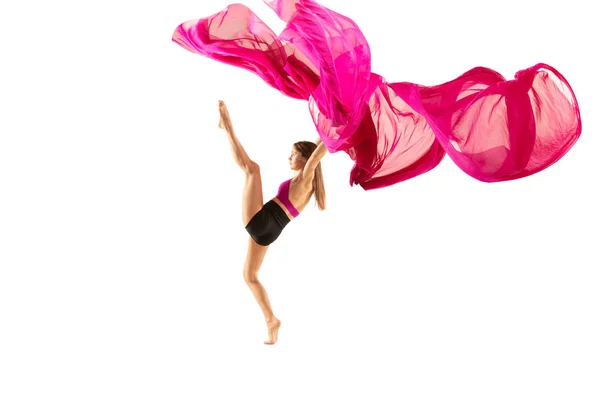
301	152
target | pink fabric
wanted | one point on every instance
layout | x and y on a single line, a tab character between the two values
492	128
283	195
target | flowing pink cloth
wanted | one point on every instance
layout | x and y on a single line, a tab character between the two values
492	128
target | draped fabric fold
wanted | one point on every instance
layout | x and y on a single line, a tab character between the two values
492	128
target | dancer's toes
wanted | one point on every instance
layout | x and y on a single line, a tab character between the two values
273	327
224	115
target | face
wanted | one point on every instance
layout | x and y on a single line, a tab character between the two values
296	160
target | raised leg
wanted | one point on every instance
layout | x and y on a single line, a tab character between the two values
254	259
252	197
238	151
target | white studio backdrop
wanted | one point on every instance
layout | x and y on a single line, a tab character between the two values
122	245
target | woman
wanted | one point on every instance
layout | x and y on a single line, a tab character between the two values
265	221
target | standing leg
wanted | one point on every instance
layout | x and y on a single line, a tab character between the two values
254	259
252	202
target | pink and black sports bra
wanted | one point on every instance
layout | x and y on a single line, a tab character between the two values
283	196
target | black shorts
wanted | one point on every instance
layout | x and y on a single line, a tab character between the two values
267	224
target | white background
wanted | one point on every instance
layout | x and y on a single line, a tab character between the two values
122	245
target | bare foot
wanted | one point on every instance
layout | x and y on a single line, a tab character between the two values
224	115
273	326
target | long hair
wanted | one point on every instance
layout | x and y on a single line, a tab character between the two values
306	149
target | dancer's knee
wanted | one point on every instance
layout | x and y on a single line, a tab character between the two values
252	168
250	277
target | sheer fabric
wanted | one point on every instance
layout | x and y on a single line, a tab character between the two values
492	128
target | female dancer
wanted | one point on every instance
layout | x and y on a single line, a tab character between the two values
265	221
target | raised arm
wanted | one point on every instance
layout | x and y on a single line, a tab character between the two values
315	158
